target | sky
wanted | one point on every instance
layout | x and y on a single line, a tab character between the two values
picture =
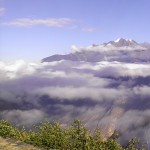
34	29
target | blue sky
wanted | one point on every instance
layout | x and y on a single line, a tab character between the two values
33	29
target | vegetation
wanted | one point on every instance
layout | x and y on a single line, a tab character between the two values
76	137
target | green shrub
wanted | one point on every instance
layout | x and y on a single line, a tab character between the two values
8	130
76	137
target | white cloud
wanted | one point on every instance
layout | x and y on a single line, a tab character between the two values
69	89
72	93
12	70
113	49
116	69
74	48
51	22
2	11
24	117
143	90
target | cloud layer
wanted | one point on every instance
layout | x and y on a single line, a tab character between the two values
67	23
51	22
112	96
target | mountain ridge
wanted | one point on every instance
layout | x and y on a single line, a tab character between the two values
124	50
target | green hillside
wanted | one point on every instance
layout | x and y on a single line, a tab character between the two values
75	137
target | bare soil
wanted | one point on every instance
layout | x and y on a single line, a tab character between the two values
10	144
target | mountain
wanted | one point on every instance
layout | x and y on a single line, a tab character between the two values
124	50
145	44
122	42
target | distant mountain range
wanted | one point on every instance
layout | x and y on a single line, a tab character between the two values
123	50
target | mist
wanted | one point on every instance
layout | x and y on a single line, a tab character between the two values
112	96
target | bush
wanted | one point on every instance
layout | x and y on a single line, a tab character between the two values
76	137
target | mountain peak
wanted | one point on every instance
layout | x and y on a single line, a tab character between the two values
117	40
121	39
120	42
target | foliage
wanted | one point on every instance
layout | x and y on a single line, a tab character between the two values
76	137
